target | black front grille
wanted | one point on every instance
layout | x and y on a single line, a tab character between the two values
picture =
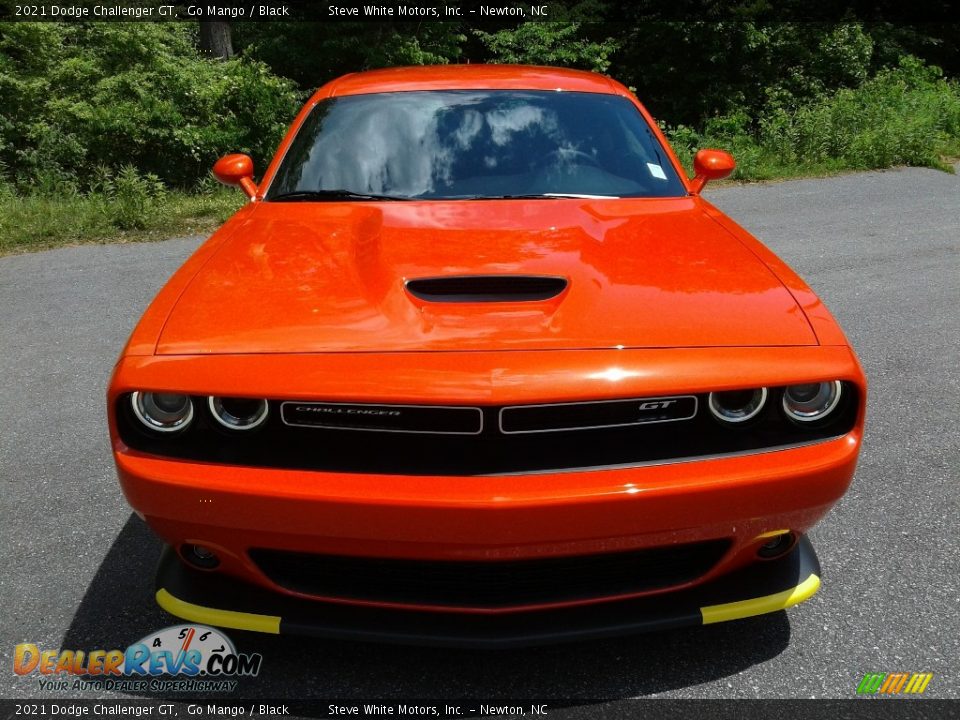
491	583
529	441
487	288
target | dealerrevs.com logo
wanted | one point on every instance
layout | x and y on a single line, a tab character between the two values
187	658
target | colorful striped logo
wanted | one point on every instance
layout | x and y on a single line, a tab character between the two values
894	683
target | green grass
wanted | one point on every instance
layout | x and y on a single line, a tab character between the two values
39	222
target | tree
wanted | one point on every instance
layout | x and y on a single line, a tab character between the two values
311	53
548	43
216	39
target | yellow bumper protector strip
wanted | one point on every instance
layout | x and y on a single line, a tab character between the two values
219	618
761	605
772	533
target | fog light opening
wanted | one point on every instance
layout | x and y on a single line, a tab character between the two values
777	546
199	556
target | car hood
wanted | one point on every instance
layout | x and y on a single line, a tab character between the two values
330	277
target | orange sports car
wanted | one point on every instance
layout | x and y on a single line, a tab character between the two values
478	365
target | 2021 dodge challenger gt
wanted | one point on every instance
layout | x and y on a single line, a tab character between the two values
478	365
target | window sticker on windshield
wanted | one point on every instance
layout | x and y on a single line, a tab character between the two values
656	171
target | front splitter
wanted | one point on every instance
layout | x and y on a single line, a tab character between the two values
212	599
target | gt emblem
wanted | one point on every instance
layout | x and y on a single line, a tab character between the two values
656	404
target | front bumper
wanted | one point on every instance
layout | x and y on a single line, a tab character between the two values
234	510
213	599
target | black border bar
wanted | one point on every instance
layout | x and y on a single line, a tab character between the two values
565	708
477	12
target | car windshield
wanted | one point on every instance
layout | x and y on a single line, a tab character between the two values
476	144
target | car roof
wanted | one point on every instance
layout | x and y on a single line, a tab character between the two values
470	77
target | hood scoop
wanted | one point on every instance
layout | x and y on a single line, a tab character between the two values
486	288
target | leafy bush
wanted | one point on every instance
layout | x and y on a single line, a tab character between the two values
130	200
909	115
81	95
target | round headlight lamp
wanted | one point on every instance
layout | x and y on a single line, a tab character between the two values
162	412
737	406
811	401
238	413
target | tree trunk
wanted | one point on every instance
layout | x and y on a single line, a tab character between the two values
215	39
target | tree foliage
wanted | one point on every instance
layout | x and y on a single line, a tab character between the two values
732	64
82	96
549	43
81	101
313	53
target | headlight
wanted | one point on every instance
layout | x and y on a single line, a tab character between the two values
737	406
812	401
238	413
162	412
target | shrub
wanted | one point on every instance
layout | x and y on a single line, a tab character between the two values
130	200
908	115
86	94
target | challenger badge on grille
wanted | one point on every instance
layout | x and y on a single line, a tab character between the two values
437	419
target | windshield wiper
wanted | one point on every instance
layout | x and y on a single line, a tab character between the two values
540	196
328	196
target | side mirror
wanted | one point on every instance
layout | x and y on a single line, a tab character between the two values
236	170
710	165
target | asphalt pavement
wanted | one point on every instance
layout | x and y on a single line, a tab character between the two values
883	251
